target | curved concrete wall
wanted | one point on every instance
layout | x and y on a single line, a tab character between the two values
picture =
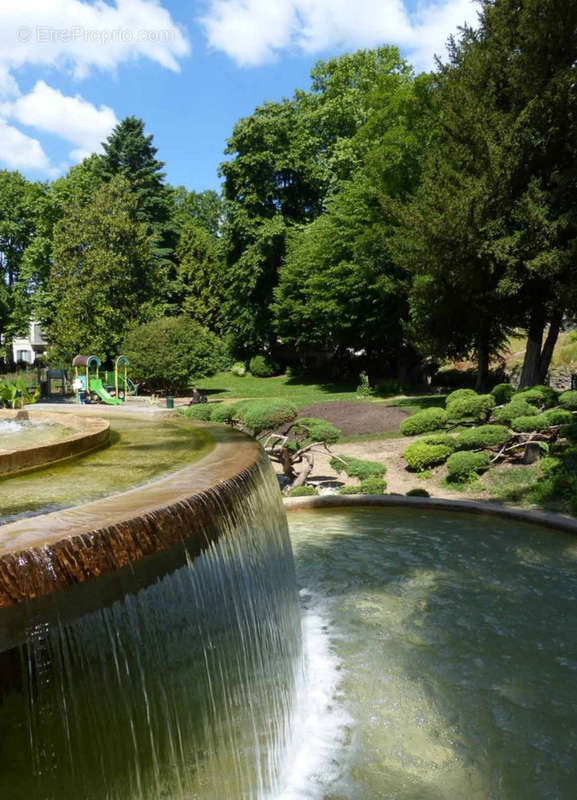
542	518
44	554
89	434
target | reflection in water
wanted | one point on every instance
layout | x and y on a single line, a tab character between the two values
180	687
457	638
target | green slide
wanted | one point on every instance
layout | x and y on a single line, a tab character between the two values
97	387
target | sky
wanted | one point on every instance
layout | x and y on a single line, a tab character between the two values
71	69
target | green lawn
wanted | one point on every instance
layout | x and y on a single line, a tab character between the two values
225	386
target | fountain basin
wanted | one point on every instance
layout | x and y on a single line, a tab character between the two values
79	435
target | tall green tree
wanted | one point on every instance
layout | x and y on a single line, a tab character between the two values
198	285
103	277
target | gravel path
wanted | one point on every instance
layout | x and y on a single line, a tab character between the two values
357	418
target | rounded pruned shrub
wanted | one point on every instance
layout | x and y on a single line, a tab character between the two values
266	415
502	392
540	422
303	491
459	394
516	408
558	416
441	438
569	432
373	485
483	436
472	407
538	396
417	493
202	411
223	412
263	367
312	429
419	456
431	419
357	467
238	369
350	490
569	400
463	466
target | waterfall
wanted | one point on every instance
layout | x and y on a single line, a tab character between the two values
174	678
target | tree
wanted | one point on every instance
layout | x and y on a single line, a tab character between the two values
103	277
198	285
204	209
172	353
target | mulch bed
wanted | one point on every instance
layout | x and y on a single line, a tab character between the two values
357	418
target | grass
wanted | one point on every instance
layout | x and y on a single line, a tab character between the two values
300	391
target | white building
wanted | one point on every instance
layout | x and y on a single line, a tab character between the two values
27	349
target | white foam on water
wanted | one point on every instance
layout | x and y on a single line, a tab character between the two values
10	426
322	723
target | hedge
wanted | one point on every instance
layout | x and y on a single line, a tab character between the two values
513	410
357	468
483	436
431	419
502	393
223	412
266	415
419	455
373	485
459	394
475	407
461	466
569	400
263	367
200	411
350	490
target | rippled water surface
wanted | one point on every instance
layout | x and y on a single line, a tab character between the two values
455	640
140	451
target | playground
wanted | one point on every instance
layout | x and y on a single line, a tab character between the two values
92	385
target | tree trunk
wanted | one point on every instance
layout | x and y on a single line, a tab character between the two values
550	342
530	372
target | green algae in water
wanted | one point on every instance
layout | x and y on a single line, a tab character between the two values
456	638
28	434
140	451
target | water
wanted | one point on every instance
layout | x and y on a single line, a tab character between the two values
449	646
140	451
175	678
26	433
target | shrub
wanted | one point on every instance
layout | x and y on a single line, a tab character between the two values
303	491
483	436
265	415
201	411
373	485
387	387
502	393
537	396
418	493
462	466
311	429
442	438
350	490
263	367
540	422
238	369
475	407
364	389
570	432
550	464
223	412
419	455
558	416
513	410
459	394
431	419
172	353
357	468
569	399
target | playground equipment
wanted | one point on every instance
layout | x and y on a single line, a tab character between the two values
92	384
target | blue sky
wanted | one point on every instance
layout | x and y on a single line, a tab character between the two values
70	69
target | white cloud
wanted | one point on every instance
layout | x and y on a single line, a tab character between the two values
77	36
71	118
85	34
254	31
19	151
